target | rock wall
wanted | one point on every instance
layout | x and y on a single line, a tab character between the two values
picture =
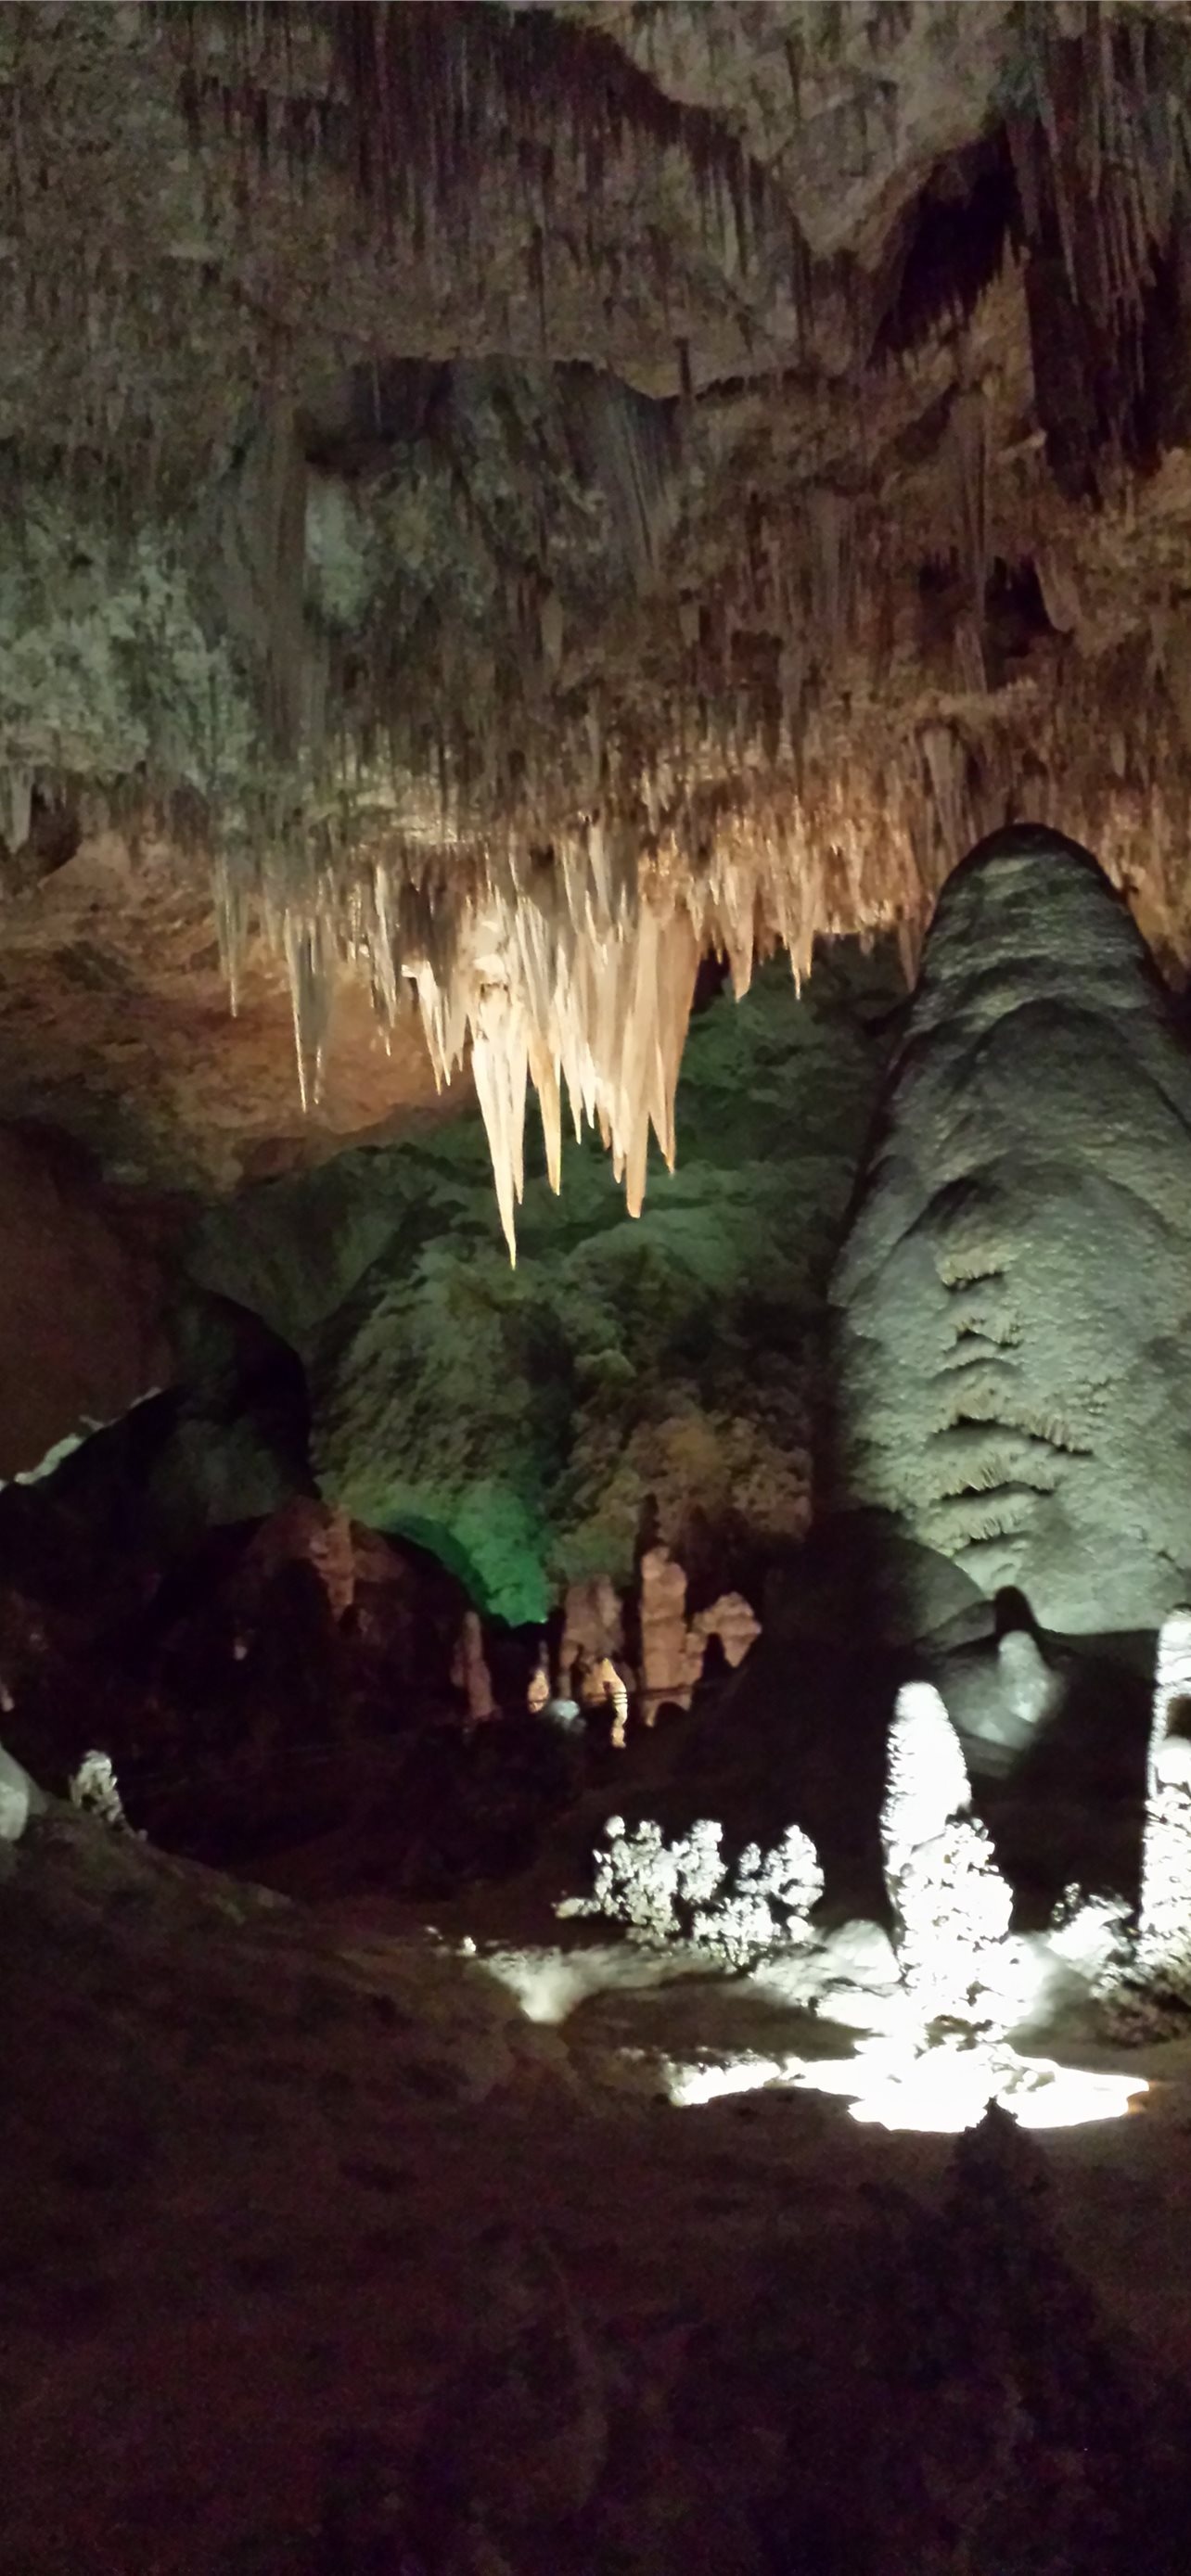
81	1330
1013	1303
523	1424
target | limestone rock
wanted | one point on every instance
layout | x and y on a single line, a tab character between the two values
312	1533
520	2437
1014	1298
593	1632
731	1619
81	1331
469	1670
20	1798
999	1693
950	1904
666	1672
1165	1921
672	1652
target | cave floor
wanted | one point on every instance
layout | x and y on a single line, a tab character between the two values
252	2154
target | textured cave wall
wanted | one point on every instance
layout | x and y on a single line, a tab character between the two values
693	467
1014	1296
517	1421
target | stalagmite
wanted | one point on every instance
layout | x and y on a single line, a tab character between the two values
970	434
94	1791
951	1906
615	1690
469	1670
333	1558
665	1661
592	1628
313	1532
672	1652
537	1694
732	1619
1164	1945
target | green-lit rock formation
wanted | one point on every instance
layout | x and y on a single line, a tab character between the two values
517	1422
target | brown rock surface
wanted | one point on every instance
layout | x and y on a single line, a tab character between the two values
81	1332
667	1669
282	2192
115	1025
731	1619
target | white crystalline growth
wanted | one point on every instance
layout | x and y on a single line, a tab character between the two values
951	1906
767	1900
94	1792
684	1890
789	1872
1164	1945
636	1879
741	1927
700	1863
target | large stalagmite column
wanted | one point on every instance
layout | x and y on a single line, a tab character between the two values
951	1906
665	1673
1165	1944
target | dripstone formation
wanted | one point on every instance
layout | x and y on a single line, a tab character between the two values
1013	1301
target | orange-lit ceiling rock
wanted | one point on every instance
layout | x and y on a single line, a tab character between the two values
519	494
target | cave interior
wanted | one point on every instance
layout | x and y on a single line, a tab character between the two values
595	1287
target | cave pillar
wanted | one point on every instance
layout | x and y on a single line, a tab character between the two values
593	1630
951	1906
1165	1922
469	1671
666	1672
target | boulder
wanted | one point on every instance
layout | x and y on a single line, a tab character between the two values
1012	1304
20	1798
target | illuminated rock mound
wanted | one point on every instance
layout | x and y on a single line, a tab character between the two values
1013	1299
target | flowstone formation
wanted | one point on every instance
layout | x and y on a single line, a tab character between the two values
1013	1301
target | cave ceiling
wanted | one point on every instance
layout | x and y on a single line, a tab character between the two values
499	501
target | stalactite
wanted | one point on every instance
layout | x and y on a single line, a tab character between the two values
970	431
419	94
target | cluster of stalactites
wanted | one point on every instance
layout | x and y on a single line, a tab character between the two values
576	970
573	972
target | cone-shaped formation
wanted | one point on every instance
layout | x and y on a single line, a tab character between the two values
951	1906
1015	1294
1165	1924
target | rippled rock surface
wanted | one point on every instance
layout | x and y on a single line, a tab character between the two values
1013	1300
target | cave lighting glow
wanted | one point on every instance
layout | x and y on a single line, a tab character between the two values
940	2089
